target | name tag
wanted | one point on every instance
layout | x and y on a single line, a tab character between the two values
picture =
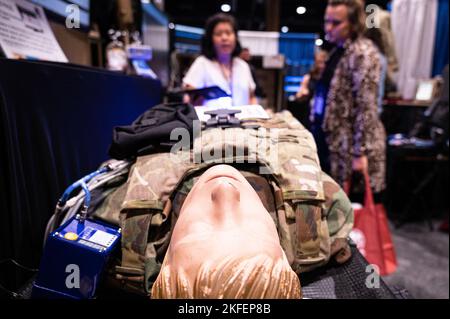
319	104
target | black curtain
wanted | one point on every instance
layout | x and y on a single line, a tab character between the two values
56	125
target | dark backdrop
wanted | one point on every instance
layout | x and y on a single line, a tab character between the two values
56	125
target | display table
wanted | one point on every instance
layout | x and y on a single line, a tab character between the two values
417	177
400	116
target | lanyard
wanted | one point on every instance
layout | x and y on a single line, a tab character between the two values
230	79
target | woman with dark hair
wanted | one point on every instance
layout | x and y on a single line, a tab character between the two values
220	65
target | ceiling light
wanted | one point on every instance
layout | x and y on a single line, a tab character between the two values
225	8
301	10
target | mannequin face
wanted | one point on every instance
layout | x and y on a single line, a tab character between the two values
225	245
337	25
222	215
224	39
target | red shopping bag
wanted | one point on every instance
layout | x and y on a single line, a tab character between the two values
371	233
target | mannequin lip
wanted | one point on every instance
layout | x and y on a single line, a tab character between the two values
222	176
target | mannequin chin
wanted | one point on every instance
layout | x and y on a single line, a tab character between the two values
225	245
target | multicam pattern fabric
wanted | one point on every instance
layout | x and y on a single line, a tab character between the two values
287	154
312	214
352	121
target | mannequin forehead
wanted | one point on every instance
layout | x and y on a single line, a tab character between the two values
221	220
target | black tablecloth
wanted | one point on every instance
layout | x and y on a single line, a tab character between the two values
348	281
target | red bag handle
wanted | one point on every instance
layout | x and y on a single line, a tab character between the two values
368	195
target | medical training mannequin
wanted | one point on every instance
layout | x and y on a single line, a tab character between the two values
225	245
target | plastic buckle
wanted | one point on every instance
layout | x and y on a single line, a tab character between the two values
223	118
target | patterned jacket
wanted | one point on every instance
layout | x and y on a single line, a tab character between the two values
352	120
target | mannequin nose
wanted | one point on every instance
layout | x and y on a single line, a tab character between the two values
226	199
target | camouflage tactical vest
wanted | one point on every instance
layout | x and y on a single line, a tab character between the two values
282	166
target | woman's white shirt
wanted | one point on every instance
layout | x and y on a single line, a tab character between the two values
205	73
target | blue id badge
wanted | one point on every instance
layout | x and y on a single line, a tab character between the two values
319	104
